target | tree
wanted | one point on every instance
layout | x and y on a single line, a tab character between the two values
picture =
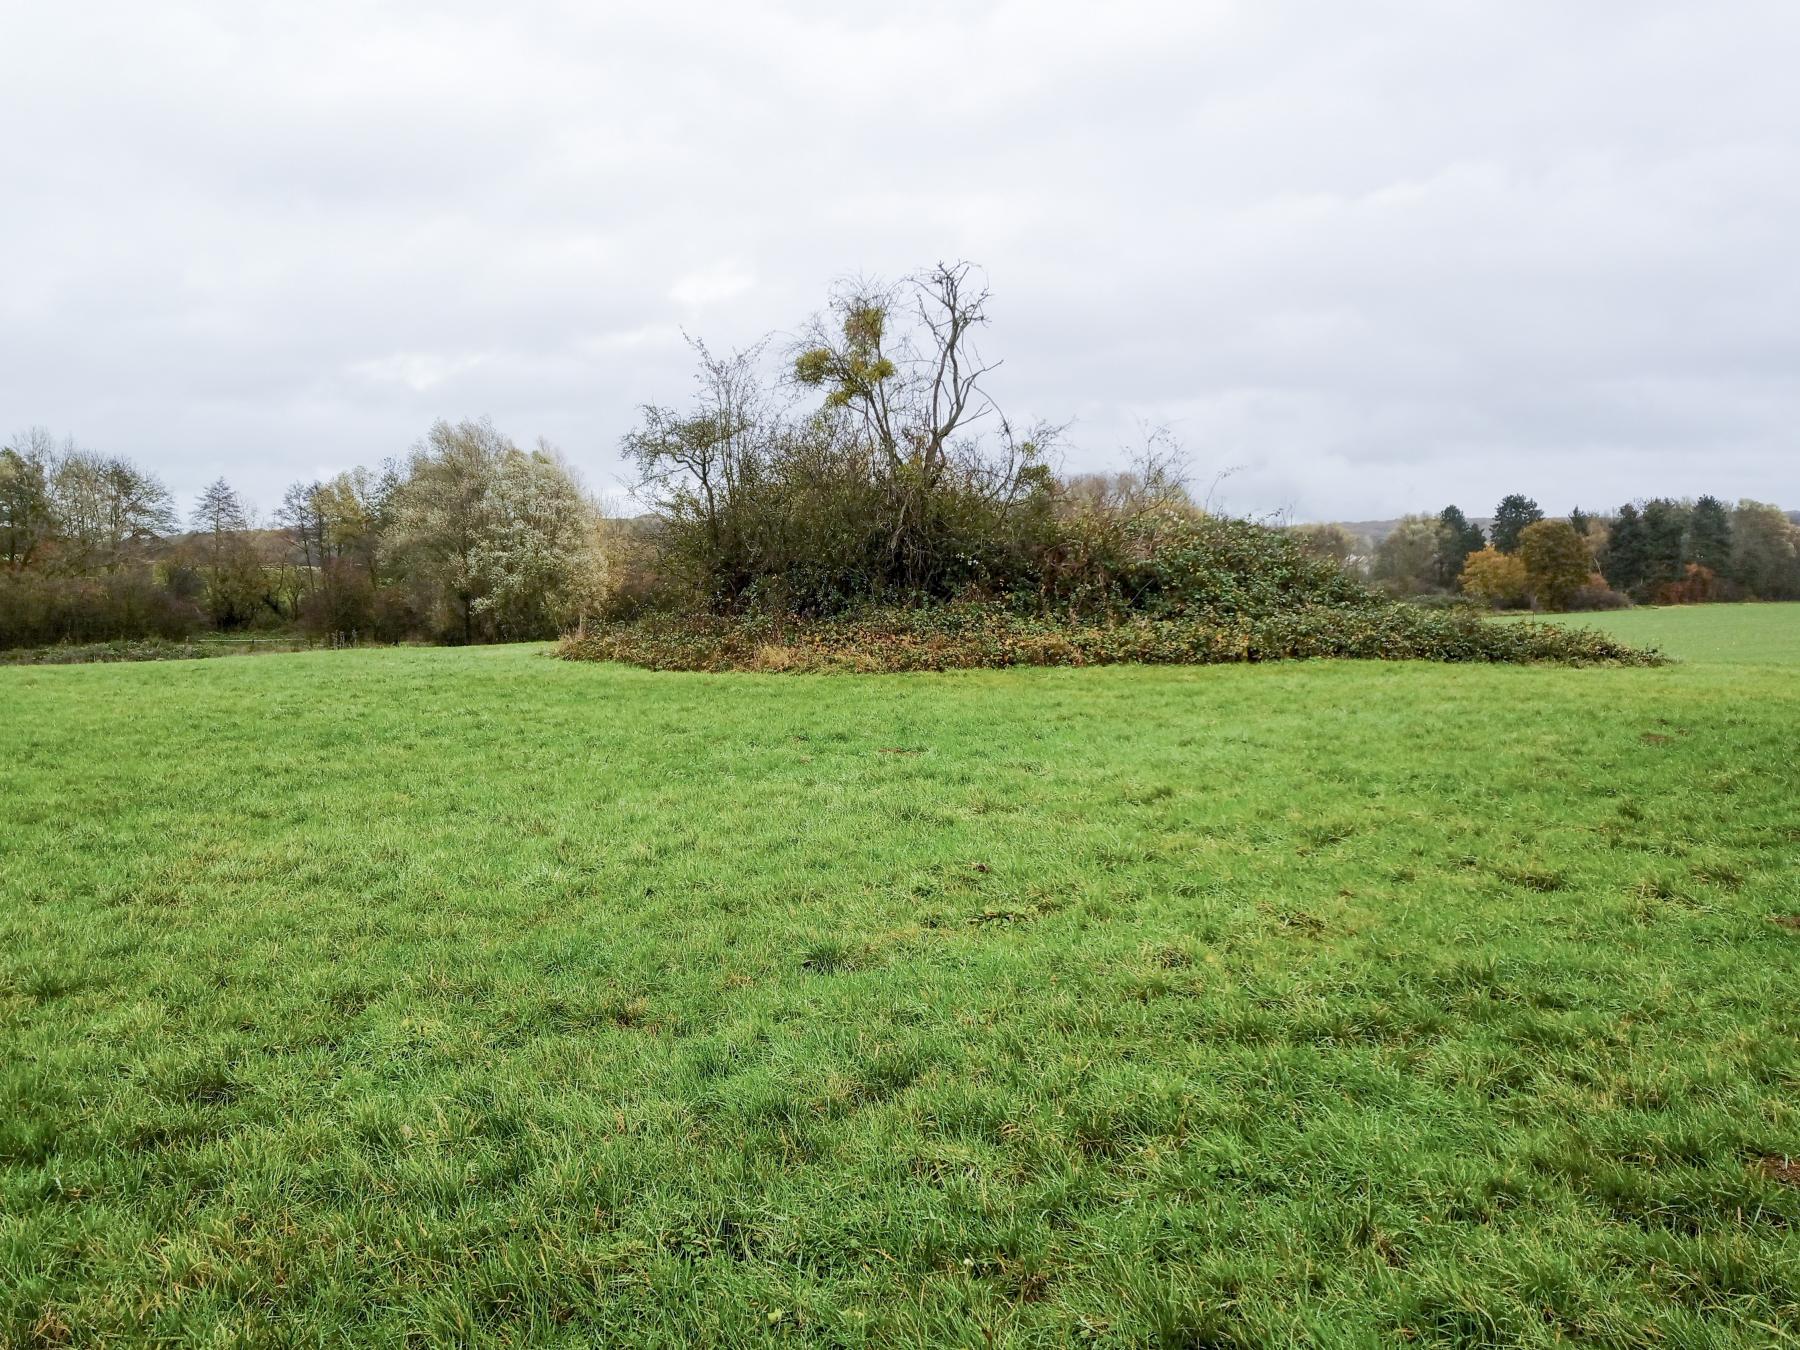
219	512
1557	562
1494	578
1765	551
1627	552
105	507
27	519
1511	517
233	572
500	542
1581	522
1597	530
1407	558
298	516
1332	542
902	363
1665	536
1709	536
699	467
441	516
540	560
913	392
354	509
903	484
1457	539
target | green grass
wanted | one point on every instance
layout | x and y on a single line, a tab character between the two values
1714	634
476	997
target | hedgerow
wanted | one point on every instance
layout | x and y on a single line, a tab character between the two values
968	636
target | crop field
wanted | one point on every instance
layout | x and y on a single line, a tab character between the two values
474	997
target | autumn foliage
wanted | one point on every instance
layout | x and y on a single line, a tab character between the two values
1494	578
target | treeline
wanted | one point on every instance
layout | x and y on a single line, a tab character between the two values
468	539
866	469
1660	551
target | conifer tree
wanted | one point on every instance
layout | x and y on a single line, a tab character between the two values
1514	513
1626	559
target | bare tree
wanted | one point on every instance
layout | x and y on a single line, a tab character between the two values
913	391
105	507
903	362
697	460
219	512
298	515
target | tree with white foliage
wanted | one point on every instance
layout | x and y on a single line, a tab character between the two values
539	561
502	542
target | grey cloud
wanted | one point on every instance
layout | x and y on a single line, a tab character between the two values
1379	256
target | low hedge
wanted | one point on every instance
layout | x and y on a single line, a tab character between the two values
974	637
124	649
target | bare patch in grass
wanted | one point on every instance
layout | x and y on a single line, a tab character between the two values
1542	880
1169	956
1784	1170
1298	920
1006	914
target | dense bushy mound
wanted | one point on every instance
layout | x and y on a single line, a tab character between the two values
904	524
1155	588
1173	561
972	636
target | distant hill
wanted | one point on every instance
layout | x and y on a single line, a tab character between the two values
1377	530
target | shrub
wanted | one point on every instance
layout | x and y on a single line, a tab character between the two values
342	602
1696	587
1171	561
882	530
38	609
1445	602
1597	595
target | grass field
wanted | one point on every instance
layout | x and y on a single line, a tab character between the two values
1745	635
475	997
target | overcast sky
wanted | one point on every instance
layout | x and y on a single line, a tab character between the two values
1375	257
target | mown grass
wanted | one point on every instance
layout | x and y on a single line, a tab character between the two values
475	997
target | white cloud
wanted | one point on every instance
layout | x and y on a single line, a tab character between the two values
710	287
417	371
